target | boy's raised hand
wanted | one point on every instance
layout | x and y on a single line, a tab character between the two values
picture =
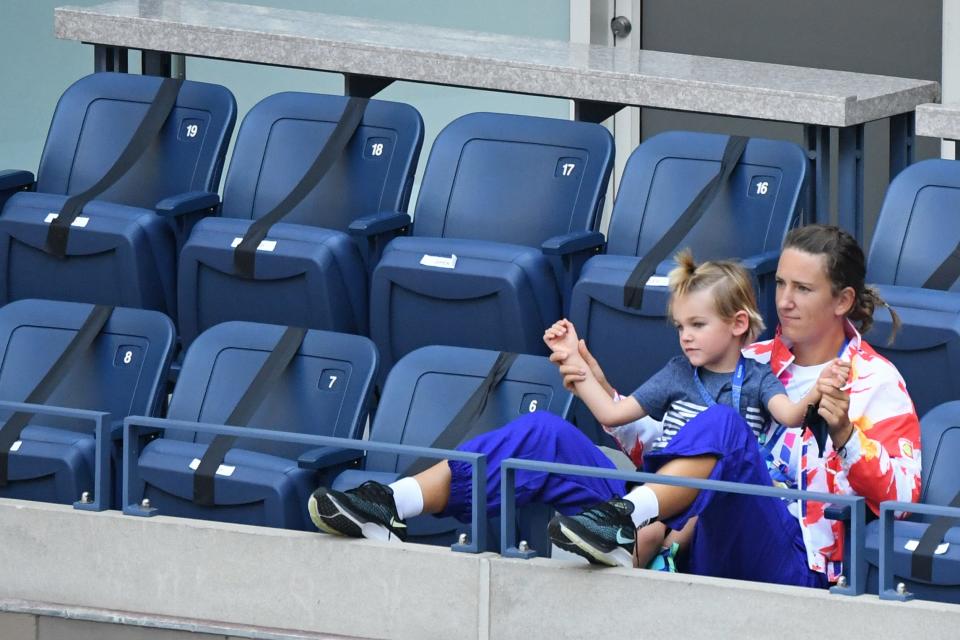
561	338
834	375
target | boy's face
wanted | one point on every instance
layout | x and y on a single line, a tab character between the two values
705	337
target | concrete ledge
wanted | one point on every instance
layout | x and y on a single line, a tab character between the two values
311	40
938	121
232	580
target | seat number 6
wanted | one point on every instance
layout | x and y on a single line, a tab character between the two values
532	402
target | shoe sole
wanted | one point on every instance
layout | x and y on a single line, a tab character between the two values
560	540
617	557
332	517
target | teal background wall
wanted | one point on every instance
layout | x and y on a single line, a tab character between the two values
35	67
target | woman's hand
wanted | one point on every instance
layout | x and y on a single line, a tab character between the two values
577	368
835	410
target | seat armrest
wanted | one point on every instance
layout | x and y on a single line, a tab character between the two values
186	203
762	262
378	223
372	233
839	512
573	242
15	180
323	457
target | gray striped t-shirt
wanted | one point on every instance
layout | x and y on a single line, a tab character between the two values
671	395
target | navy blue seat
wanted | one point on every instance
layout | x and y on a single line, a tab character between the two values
122	250
121	373
940	435
748	221
915	232
424	391
309	272
324	391
506	213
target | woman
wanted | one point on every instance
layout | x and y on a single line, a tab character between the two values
872	448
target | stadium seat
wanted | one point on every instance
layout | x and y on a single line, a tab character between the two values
747	220
915	232
121	372
324	390
122	250
423	393
308	272
940	435
506	214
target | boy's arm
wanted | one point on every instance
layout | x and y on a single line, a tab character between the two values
787	413
791	414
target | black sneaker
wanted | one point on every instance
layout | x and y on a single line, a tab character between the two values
603	534
365	512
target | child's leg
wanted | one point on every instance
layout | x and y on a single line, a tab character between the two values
737	536
446	487
533	436
650	539
683	537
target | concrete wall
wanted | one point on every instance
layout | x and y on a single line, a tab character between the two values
170	576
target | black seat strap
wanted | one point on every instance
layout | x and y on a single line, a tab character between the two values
143	137
463	426
633	290
947	273
269	373
921	560
78	345
245	255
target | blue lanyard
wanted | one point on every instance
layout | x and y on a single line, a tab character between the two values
843	347
736	385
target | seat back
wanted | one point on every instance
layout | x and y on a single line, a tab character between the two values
280	138
428	387
751	214
515	179
324	390
95	119
750	217
123	372
917	228
915	232
940	435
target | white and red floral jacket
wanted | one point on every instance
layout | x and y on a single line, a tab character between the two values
880	462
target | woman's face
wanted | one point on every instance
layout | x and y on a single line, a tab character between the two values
807	308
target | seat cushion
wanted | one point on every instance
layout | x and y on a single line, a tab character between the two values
121	255
309	277
492	296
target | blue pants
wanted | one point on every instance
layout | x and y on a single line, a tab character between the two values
745	537
737	536
533	436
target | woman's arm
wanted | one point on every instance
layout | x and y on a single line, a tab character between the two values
599	401
880	452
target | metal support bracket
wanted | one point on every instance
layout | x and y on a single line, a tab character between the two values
817	140
108	58
359	86
165	65
593	111
850	181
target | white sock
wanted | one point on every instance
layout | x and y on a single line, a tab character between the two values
645	505
408	496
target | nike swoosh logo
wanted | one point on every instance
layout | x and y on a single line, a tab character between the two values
402	525
622	540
